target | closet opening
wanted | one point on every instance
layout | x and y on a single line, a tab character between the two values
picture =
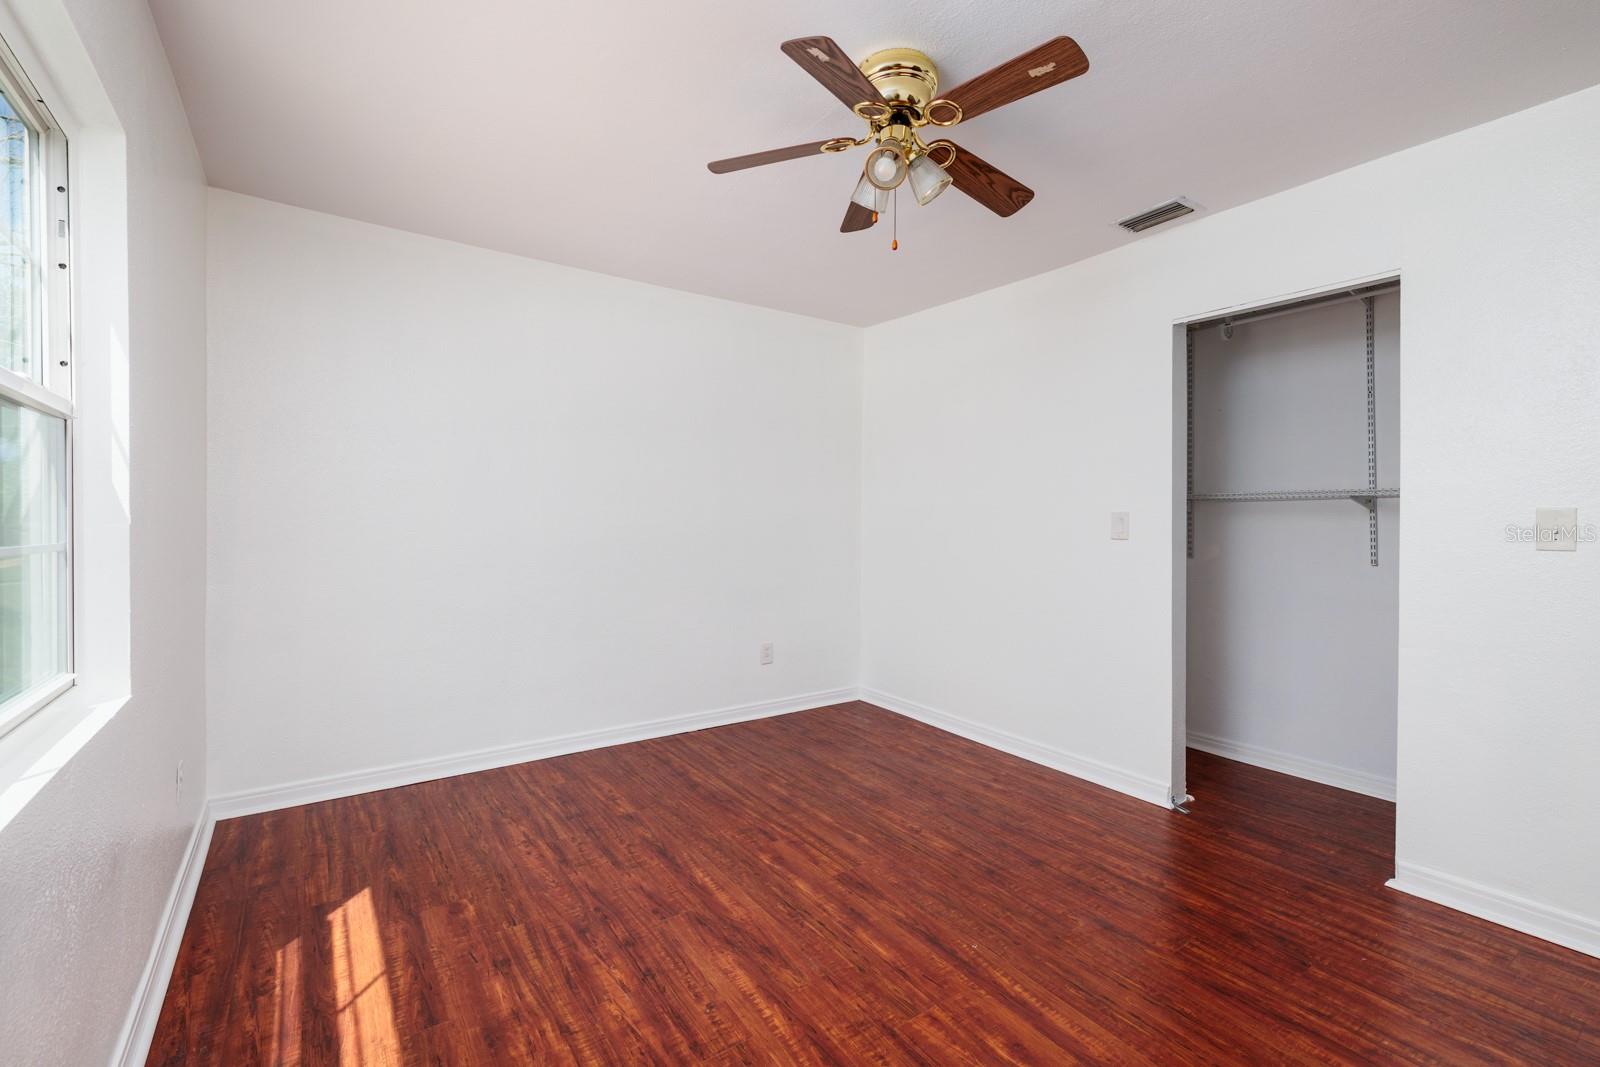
1287	602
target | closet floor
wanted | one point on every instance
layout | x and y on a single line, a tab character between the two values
844	886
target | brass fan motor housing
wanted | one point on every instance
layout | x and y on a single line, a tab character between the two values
904	76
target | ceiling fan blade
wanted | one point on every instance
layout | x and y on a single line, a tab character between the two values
827	62
1057	60
988	185
857	217
761	159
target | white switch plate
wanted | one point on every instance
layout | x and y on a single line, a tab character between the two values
766	654
1119	526
1556	529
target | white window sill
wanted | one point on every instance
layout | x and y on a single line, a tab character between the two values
31	700
35	749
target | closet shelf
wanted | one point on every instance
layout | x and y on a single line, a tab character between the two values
1301	494
1367	496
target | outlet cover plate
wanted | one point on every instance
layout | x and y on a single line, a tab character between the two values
1556	529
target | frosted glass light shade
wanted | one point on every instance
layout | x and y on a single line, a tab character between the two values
870	196
928	179
886	166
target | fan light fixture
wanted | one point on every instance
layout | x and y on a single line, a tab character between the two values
886	166
870	196
928	179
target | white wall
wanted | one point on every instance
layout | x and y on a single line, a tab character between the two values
1293	642
94	828
1001	430
462	500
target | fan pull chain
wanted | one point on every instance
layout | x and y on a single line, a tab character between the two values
894	221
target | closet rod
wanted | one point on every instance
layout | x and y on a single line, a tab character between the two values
1327	300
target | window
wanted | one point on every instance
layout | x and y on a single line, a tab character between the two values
35	405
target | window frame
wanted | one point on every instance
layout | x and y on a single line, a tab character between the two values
52	394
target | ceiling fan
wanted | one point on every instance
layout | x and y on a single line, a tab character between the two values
894	92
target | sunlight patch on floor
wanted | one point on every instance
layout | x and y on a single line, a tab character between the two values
367	1036
286	1001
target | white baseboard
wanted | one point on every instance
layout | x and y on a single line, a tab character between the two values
1135	785
133	1044
331	787
1371	785
1556	925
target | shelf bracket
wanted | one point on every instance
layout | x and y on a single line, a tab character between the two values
1371	504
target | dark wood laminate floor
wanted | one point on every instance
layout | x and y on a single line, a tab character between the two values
844	886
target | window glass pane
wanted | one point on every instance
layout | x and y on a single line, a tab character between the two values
34	587
19	263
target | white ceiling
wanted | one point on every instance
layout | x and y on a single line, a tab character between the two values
579	132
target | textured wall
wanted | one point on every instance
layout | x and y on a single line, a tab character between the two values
1003	429
87	864
461	499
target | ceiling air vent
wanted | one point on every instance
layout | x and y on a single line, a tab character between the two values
1172	209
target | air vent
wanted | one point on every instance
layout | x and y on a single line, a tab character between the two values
1173	209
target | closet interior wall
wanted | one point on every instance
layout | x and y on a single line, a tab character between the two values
1292	632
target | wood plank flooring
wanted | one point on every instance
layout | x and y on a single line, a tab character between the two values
844	886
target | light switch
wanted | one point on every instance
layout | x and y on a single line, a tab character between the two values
1119	526
1556	529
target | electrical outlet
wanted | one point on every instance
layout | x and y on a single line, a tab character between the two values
1119	526
766	654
